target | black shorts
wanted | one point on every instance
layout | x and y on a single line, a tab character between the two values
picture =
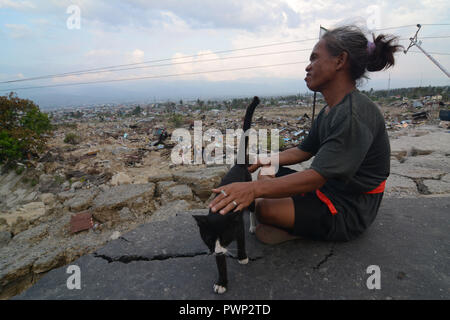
313	219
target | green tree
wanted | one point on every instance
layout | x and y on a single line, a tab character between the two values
23	129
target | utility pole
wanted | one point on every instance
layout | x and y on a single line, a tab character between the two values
418	44
389	85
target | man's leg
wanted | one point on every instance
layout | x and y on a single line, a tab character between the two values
277	212
272	214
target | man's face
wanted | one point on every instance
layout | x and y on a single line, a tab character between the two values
321	69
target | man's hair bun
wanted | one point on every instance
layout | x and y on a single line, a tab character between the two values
382	56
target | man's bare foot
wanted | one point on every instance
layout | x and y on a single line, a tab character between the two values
273	235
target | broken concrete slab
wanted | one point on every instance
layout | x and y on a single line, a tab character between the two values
158	239
169	210
446	178
53	258
416	172
120	178
177	192
160	177
437	186
32	235
48	198
398	185
435	161
437	141
28	212
173	237
81	200
15	275
162	186
166	260
201	180
131	196
125	214
5	237
23	261
63	196
9	181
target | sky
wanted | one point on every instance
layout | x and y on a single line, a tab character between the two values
200	48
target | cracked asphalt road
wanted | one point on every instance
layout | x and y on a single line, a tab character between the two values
167	260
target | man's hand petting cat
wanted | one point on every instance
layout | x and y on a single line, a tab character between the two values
234	196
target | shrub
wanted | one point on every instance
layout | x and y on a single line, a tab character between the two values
23	129
19	170
176	120
72	138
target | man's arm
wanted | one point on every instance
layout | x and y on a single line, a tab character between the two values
293	156
289	185
287	157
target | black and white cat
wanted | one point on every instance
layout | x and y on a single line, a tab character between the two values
218	231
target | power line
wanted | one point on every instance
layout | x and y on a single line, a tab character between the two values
412	25
436	37
429	37
154	77
102	69
160	65
161	60
436	53
398	27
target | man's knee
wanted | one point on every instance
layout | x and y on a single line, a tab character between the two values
279	212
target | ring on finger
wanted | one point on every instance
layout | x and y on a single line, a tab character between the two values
224	193
235	204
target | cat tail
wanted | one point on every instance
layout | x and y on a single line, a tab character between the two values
247	124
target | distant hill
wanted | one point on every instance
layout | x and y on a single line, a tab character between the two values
411	93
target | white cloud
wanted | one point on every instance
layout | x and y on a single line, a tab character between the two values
16	4
101	53
136	56
18	31
197	14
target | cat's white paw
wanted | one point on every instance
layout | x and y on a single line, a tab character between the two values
243	261
219	289
252	229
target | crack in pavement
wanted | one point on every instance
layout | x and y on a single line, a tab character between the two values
124	239
131	258
325	259
421	187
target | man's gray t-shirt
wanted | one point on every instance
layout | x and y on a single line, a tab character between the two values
351	150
